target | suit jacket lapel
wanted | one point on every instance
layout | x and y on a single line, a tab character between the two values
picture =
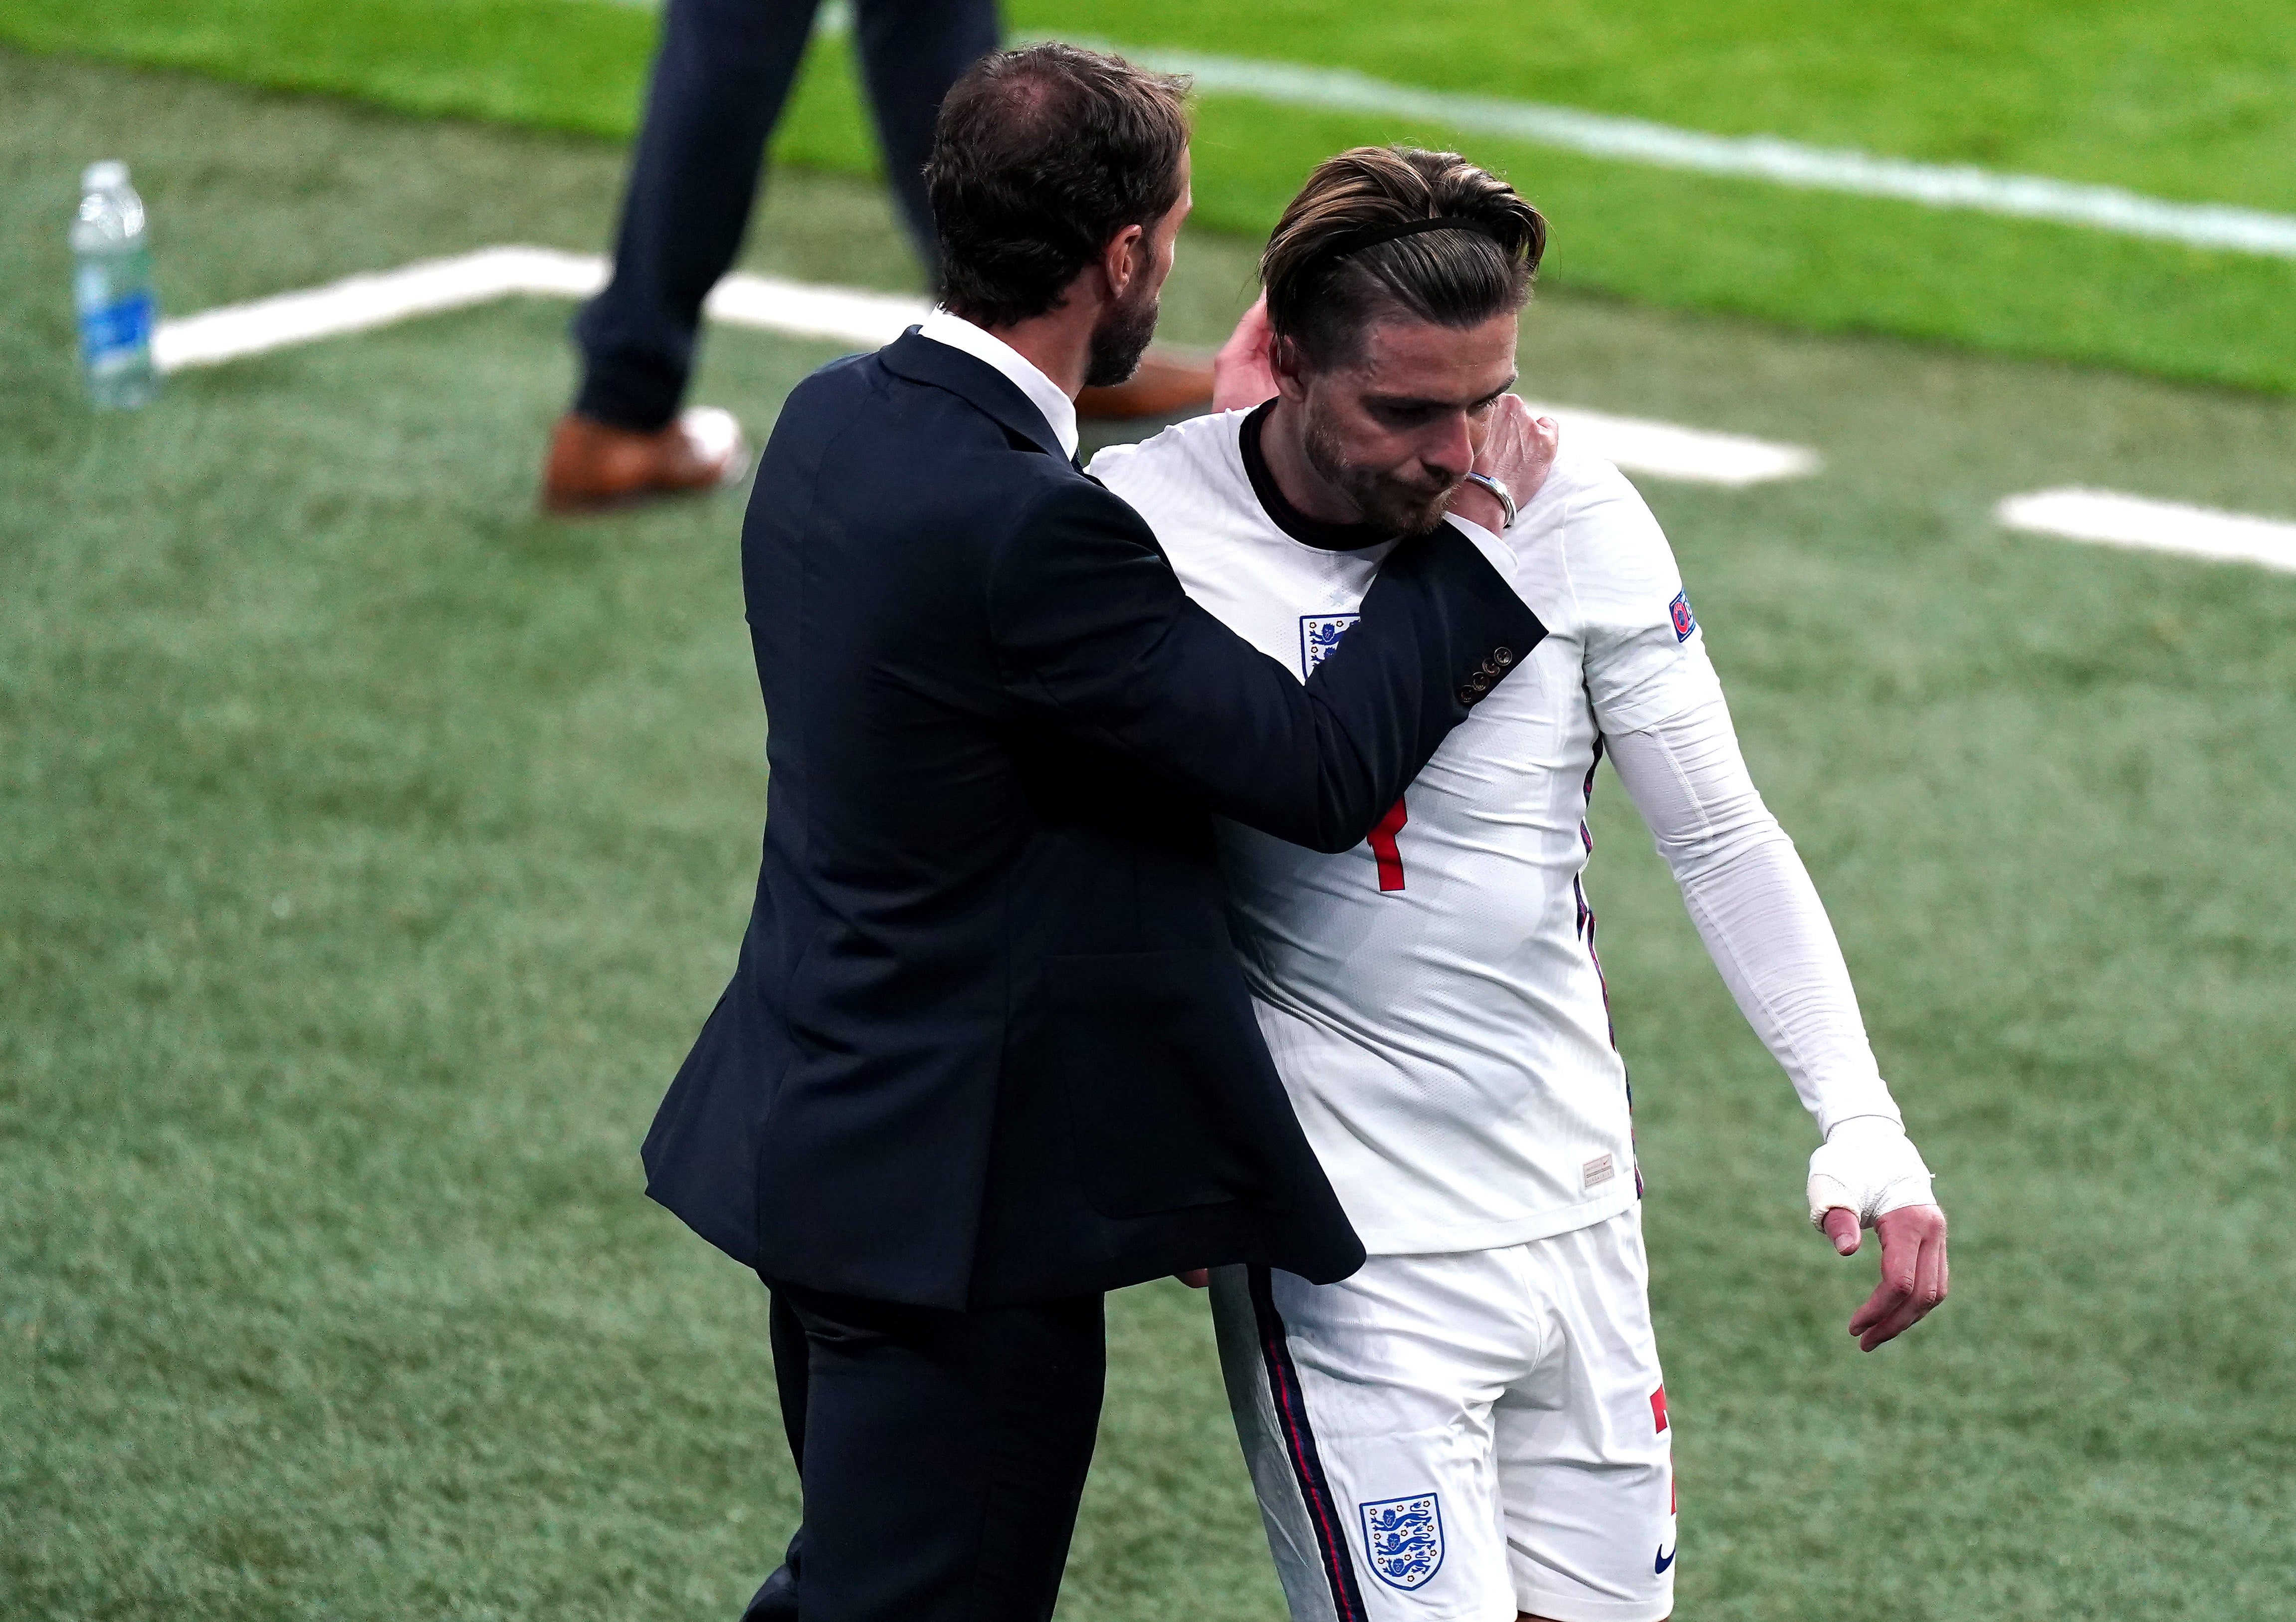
922	360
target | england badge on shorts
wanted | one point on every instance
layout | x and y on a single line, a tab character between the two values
1319	639
1404	1539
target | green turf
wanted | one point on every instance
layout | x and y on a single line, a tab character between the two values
369	850
2165	97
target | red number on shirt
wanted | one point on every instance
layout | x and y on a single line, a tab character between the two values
1383	850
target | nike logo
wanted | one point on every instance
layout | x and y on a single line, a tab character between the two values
1665	1559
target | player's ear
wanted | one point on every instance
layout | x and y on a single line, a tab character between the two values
1289	365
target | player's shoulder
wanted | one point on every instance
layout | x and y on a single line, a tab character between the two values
1595	514
1187	456
1586	488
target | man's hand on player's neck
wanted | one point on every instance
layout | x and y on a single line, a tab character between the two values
1388	438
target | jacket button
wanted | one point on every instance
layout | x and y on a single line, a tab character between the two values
1468	694
1505	656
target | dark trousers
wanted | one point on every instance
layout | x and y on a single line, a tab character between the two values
723	73
943	1454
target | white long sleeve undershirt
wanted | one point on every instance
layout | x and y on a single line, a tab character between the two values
1755	906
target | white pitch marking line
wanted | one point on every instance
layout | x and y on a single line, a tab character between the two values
1771	158
813	310
1668	450
2227	227
2113	520
359	303
802	310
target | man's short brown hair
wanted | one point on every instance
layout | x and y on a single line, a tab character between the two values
1323	297
1040	156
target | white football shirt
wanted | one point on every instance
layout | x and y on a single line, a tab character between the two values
1432	998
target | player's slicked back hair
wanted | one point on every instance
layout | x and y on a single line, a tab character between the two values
1323	297
1040	156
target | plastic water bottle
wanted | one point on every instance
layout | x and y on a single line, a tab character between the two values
111	283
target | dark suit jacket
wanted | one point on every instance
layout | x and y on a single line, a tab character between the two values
988	1041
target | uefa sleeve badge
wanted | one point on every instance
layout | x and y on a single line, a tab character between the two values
1685	622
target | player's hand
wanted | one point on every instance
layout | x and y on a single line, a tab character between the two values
1868	1174
1915	1276
1241	372
1196	1278
1518	452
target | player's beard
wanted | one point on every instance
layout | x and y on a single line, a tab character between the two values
1119	340
1397	506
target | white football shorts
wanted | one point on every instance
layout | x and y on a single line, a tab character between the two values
1463	1436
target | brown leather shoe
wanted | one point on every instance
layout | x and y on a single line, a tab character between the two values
593	467
1166	385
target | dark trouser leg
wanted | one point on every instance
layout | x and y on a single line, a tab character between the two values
944	1454
722	72
776	1601
912	51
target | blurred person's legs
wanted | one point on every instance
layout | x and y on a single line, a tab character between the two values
724	70
719	83
912	51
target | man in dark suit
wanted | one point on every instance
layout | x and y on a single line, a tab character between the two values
988	1052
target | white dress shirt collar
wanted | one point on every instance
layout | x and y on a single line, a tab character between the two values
1042	392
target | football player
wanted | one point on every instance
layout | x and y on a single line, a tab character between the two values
1475	1426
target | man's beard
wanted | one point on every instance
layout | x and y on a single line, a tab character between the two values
1386	502
1119	341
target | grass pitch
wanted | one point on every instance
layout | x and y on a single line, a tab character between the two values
372	850
2171	97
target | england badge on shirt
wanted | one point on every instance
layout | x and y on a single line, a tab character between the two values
1404	1537
1319	635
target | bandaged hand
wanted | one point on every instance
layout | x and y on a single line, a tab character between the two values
1868	1167
1868	1174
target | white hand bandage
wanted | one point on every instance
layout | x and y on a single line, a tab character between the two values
1866	1164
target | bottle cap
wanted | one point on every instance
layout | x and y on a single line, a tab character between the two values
107	175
